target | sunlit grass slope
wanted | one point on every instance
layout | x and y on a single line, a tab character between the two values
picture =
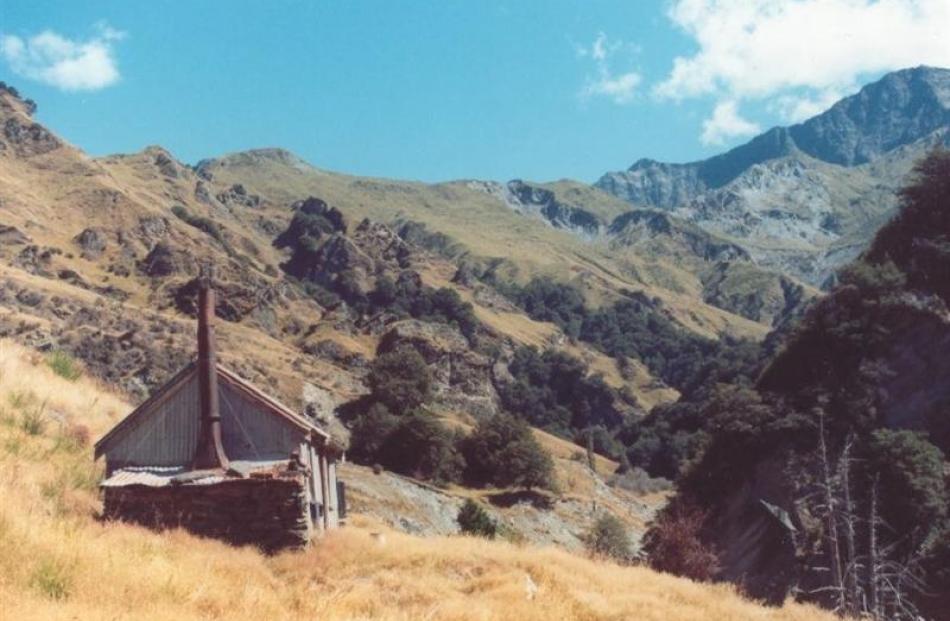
58	562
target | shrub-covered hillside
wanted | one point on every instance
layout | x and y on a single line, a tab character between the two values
830	474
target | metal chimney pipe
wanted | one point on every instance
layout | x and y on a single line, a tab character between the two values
209	453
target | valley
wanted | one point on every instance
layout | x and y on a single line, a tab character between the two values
666	349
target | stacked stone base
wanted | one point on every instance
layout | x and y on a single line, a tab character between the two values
271	514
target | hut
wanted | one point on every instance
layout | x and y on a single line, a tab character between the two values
213	454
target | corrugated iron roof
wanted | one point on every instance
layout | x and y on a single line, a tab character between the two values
253	392
150	476
156	397
162	476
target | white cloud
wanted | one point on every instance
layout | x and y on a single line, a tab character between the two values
797	108
725	124
621	88
800	54
66	64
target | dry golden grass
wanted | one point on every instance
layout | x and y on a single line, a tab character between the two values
58	562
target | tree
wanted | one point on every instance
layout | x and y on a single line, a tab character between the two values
400	380
474	520
424	448
502	451
608	537
910	470
371	431
917	240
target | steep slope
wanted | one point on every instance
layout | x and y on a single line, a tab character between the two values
806	199
57	561
847	427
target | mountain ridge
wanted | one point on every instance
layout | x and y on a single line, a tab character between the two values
796	197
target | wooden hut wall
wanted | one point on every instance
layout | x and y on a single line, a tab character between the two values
316	482
250	431
166	436
334	501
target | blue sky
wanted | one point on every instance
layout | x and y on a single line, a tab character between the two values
447	89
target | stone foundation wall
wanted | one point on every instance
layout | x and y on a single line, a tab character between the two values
271	514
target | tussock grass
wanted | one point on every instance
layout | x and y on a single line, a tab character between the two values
64	365
58	562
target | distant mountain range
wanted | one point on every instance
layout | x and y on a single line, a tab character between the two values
805	199
727	245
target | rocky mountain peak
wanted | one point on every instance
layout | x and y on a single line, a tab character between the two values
10	99
898	109
804	199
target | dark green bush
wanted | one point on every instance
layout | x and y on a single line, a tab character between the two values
474	520
502	451
552	390
400	380
422	447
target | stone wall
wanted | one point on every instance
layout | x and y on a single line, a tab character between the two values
271	514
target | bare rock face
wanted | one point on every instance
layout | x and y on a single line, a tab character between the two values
92	243
236	300
641	227
331	351
765	297
560	215
163	261
153	228
167	165
321	406
462	378
10	235
202	193
36	260
29	139
238	195
382	243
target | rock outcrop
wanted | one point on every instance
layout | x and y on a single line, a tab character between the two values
462	378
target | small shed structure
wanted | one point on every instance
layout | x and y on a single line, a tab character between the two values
212	453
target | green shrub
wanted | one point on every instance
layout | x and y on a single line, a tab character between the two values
370	431
502	451
64	365
608	537
400	380
414	444
554	391
910	471
637	327
474	520
424	448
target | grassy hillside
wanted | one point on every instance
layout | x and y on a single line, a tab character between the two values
481	227
58	562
